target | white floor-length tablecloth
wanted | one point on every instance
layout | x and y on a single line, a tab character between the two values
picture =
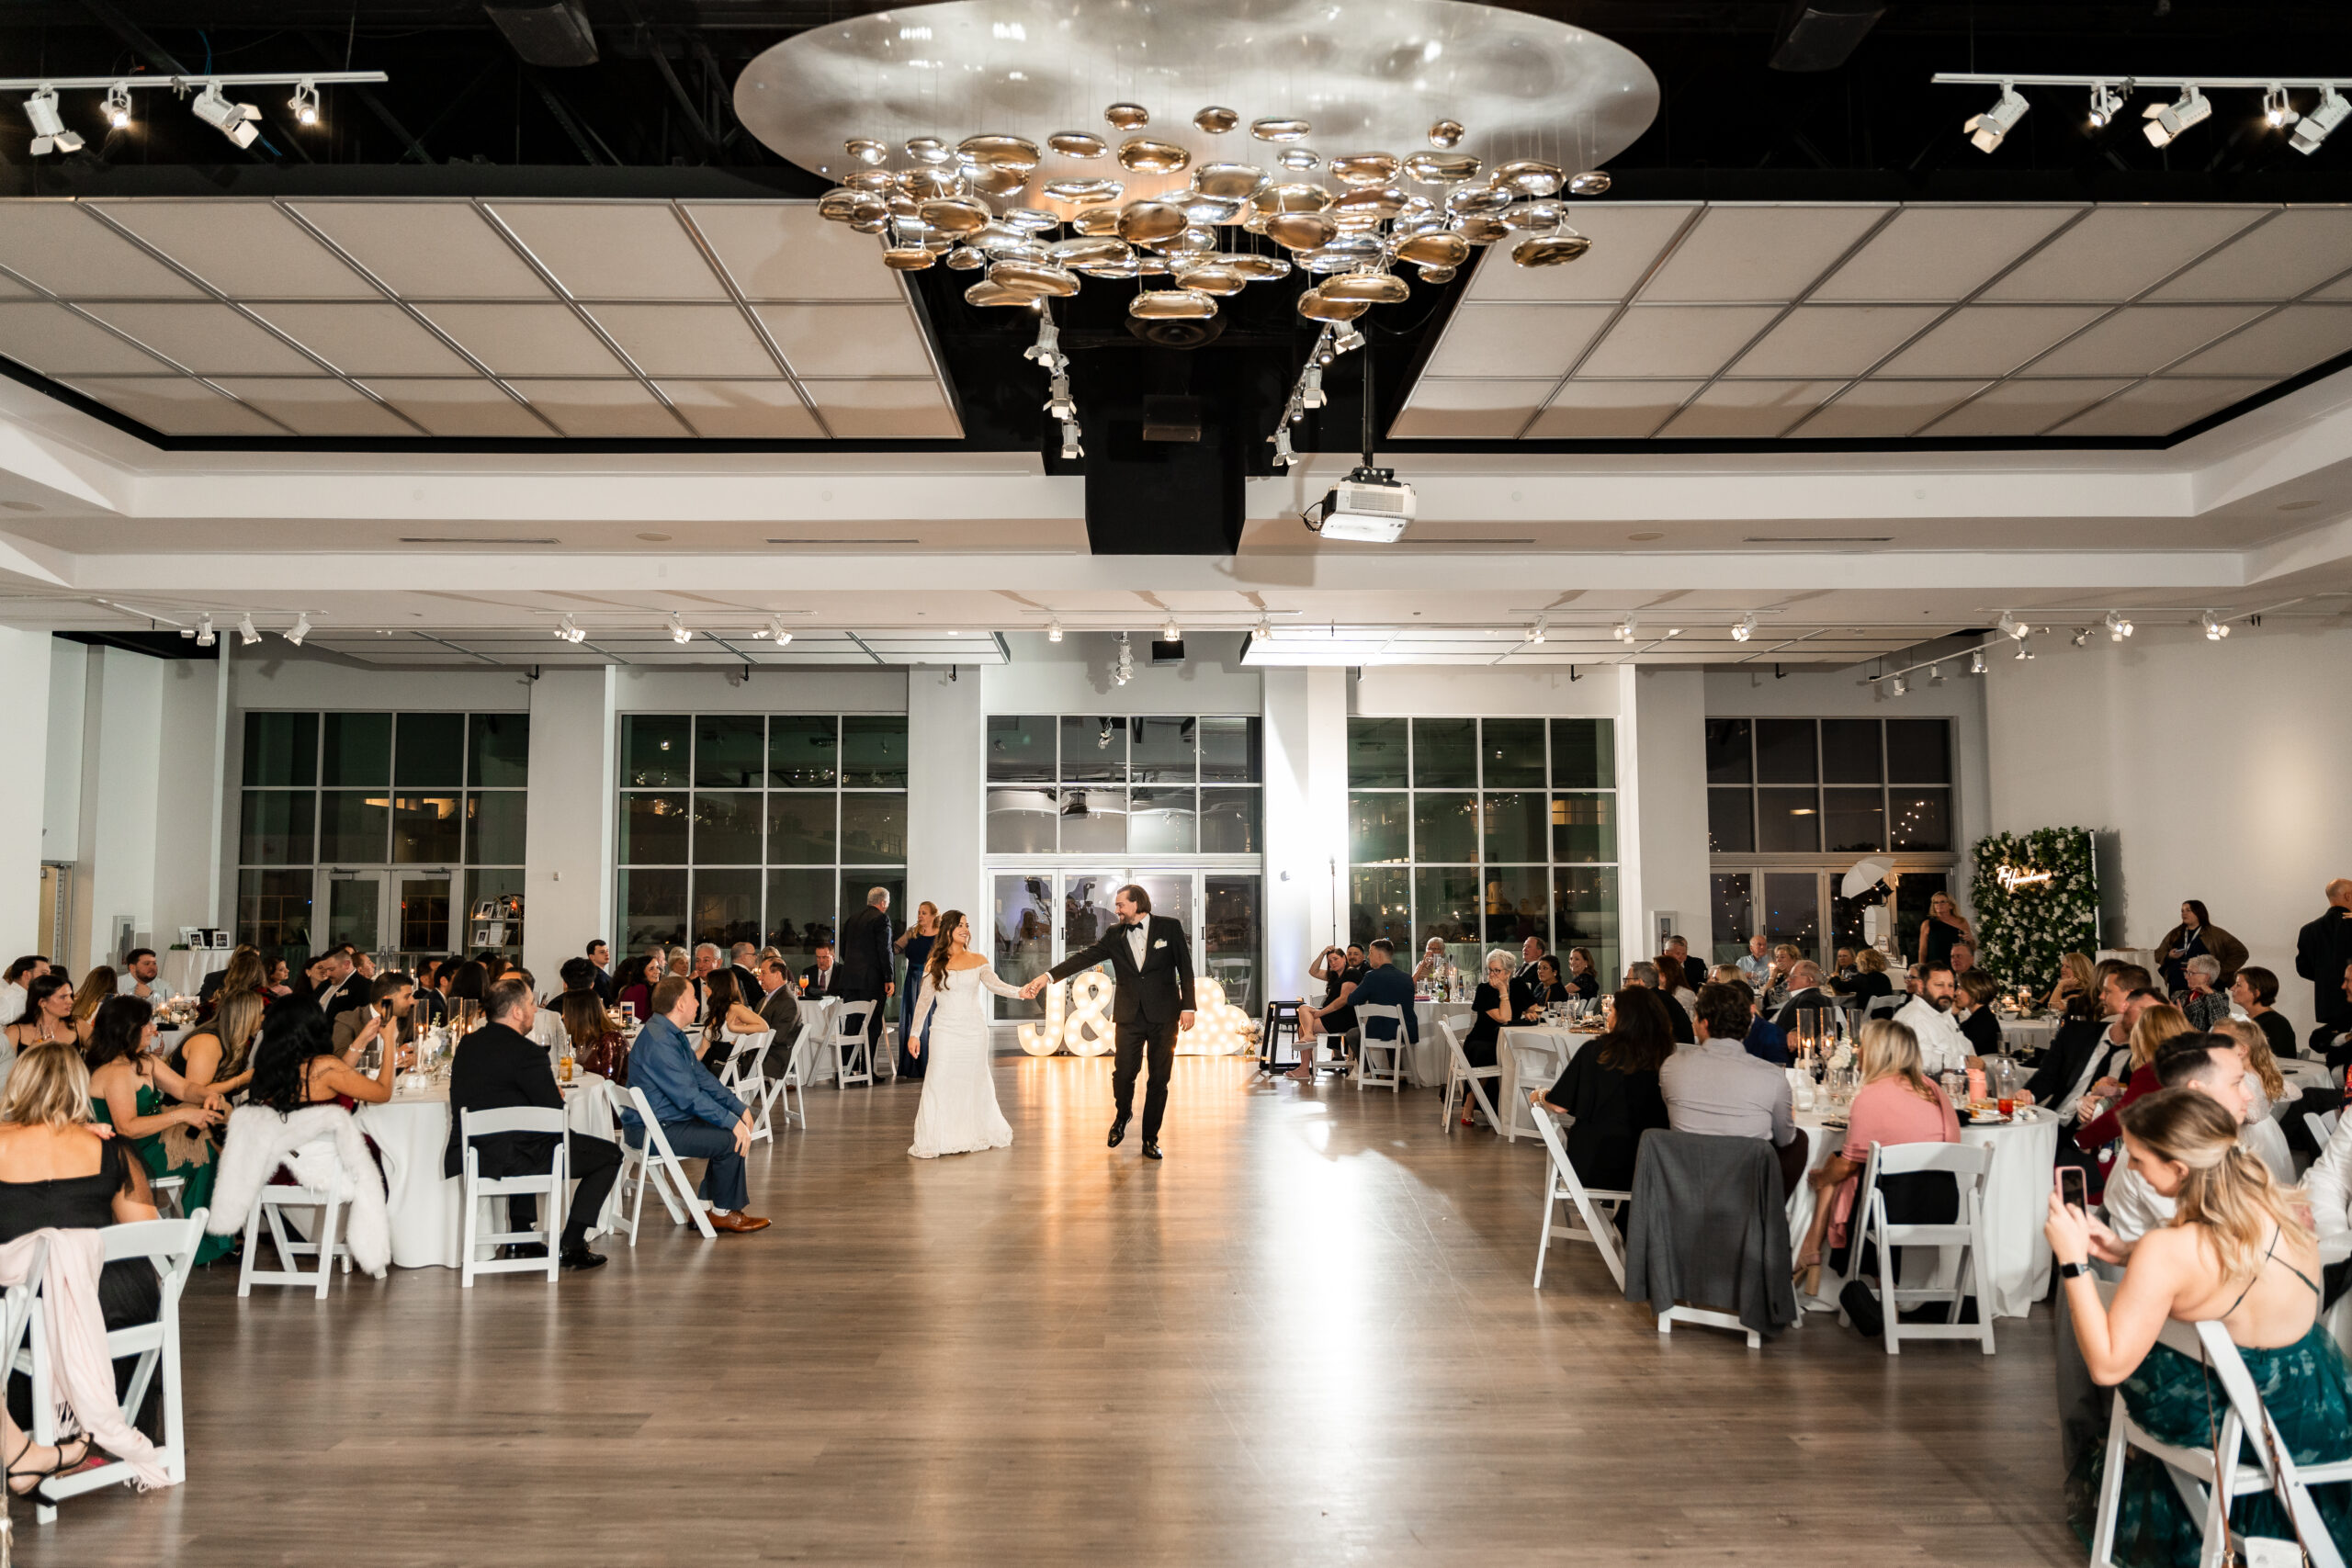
1531	1058
182	969
1425	1063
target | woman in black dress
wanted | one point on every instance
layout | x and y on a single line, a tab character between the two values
1338	970
1610	1088
1582	977
1549	990
1501	997
1943	926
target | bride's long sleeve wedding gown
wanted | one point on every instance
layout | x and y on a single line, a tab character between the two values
958	1113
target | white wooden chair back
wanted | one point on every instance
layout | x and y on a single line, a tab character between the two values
1460	1072
669	1177
2272	1457
853	1057
2320	1125
1380	1052
1969	1166
476	1190
269	1207
1564	1185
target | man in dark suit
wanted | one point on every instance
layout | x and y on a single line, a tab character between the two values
824	977
498	1067
1151	965
744	961
2321	949
340	986
778	1004
1804	993
599	958
868	959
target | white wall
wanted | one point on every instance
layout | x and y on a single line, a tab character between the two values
1074	676
114	861
1670	805
569	825
946	792
189	720
69	680
2219	767
24	670
878	689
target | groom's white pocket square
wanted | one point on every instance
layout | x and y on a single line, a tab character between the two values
1161	942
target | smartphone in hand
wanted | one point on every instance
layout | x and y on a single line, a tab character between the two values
2074	1189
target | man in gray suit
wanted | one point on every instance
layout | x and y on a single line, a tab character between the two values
779	1007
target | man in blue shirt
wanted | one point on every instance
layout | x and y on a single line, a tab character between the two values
698	1116
1385	985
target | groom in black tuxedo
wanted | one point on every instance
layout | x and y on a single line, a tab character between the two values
1151	964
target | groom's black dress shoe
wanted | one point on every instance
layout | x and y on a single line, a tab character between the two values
1150	1149
1118	1130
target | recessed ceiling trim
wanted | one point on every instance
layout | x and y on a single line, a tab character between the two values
701	243
1665	254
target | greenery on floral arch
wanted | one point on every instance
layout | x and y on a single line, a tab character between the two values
2036	900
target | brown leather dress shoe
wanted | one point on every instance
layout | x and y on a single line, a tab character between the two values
740	1222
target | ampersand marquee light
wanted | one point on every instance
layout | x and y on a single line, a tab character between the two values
1078	1020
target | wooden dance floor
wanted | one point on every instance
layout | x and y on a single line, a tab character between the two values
1307	1337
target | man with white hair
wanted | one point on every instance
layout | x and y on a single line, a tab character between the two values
1432	961
1806	994
867	959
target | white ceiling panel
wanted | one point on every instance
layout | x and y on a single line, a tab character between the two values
2160	407
2143	339
1747	408
1676	340
886	410
1758	253
427	250
526	340
1516	339
2116	251
318	406
2022	408
768	411
2284	344
470	408
1834	340
55	342
1941	254
1609	410
176	406
783	251
687	340
614	249
848	340
1989	340
365	339
245	249
601	408
1625	242
1491	411
2296	251
64	250
1883	410
211	339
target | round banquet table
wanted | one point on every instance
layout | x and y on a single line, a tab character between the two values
2302	1073
1532	1057
1425	1063
2016	1201
2027	1034
412	1130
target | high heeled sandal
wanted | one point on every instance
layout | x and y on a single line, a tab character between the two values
33	1478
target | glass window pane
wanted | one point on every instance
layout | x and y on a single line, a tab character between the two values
1020	748
874	751
1087	910
1793	910
726	827
1094	751
850	891
1023	937
1584	827
1518	904
1446	753
494	826
428	830
1445	828
1229	930
1512	752
281	748
874	827
1853	819
653	830
654	751
1021	822
1922	818
499	751
1732	898
800	829
1584	753
352	904
1376	753
1094	820
1584	901
799	913
1919	750
355	825
1728	758
1379	905
1376	829
1785	751
1845	920
1516	826
803	751
1913	898
1229	821
429	751
1161	750
1849	751
424	915
1162	821
1787	821
1445	906
1731	822
726	907
274	913
1231	750
731	752
359	750
276	826
653	909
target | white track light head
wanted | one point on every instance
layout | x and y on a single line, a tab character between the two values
305	103
205	637
2325	116
2118	629
2166	121
232	120
1745	629
2215	627
300	629
2105	103
678	632
1054	631
117	106
245	632
2277	112
1986	130
564	629
1894	686
50	134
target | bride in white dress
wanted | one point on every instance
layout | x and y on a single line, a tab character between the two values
958	1114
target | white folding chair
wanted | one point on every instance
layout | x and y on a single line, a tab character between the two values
167	1187
853	1058
1970	1166
1564	1186
742	1078
1460	1074
16	1316
170	1246
1535	1062
477	1190
794	1080
658	1161
271	1202
2273	1463
885	1050
1369	1070
2320	1125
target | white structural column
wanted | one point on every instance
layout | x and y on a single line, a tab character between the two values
1667	796
946	796
1298	902
24	669
114	873
568	819
188	821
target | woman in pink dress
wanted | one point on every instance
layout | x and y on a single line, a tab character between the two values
1897	1105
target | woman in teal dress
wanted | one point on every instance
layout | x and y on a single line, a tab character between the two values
2239	1252
128	1084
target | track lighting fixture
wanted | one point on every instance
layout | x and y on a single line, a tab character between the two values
1070	447
2161	122
2082	636
50	134
2325	116
1310	386
117	106
1264	630
245	632
2215	627
1935	676
2166	121
1348	339
2118	629
232	120
300	629
305	103
1986	130
1976	662
565	631
2010	626
678	632
2277	112
204	634
1125	670
2105	103
1745	629
778	632
1894	686
1053	631
2023	651
1535	630
1625	629
1168	633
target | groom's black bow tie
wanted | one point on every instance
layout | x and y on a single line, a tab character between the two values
1132	926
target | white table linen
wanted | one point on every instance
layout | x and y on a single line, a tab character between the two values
1425	1063
181	972
1531	1057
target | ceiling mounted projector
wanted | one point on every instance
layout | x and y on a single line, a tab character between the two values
1369	505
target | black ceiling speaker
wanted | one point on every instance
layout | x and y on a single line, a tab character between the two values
1166	652
1177	333
1819	35
557	35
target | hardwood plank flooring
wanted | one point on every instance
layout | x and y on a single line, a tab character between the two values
1307	1337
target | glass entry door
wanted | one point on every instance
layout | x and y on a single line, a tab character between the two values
354	906
400	915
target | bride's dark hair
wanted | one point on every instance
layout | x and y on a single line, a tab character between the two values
943	947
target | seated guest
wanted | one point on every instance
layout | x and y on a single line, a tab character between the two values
468	990
1502	998
2102	1125
2203	1005
547	1026
596	1045
2086	1050
22	972
499	1067
1868	981
1549	989
1385	985
2132	1207
1610	1088
246	972
1764	1039
1963	956
279	978
577	975
600	957
2238	1251
1432	961
338	986
1757	964
97	987
1785	957
1717	1087
1582	977
700	1118
2328	1186
1897	1104
48	1017
777	1002
728	1019
1672	982
1645	973
2255	989
127	1086
390	1016
139	977
1843	969
1679	948
1530	949
634	984
295	1065
2077	993
822	978
219	1057
2265	1085
1338	970
1928	1015
1805	994
1978	1024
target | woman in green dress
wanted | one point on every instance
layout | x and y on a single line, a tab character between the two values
127	1085
2239	1252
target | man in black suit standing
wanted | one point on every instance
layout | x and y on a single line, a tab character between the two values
600	957
1151	964
868	960
2321	949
